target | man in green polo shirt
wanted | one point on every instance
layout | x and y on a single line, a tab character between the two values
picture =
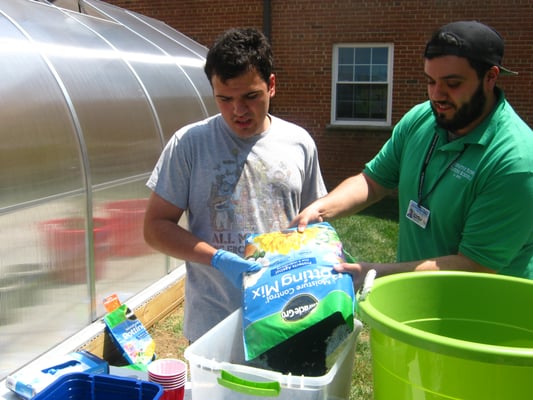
462	163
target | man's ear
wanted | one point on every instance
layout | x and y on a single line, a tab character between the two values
492	74
272	85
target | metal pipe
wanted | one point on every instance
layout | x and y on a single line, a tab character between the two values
267	19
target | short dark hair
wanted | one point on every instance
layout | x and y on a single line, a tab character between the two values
238	51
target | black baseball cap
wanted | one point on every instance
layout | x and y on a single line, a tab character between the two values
469	39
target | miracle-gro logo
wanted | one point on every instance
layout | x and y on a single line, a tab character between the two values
299	307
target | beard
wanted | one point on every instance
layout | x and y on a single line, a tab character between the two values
466	114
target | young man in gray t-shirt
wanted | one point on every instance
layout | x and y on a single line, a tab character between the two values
242	171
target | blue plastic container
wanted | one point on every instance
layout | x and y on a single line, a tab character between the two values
82	386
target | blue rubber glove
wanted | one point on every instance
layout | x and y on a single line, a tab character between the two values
233	266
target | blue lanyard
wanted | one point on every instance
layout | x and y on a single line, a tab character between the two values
425	165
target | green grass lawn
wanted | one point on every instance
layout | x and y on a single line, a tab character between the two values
370	236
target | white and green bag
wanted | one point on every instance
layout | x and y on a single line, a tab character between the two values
297	310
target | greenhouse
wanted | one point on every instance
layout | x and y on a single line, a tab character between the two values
90	94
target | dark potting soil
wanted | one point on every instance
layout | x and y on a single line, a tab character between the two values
306	352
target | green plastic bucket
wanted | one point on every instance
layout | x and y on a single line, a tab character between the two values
450	335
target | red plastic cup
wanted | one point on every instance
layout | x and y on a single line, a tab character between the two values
169	383
167	368
171	374
173	394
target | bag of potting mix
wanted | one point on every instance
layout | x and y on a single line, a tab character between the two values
297	310
131	337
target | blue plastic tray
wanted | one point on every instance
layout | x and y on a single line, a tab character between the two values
82	386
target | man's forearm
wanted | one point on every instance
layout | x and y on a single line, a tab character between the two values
175	241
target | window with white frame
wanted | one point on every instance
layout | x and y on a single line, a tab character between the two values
362	84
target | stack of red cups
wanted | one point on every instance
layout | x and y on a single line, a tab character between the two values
171	374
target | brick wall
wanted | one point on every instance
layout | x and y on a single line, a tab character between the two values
303	33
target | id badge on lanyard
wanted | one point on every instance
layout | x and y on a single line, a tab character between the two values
418	214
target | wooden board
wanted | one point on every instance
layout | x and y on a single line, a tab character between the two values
149	313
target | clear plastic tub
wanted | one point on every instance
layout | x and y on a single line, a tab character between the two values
218	370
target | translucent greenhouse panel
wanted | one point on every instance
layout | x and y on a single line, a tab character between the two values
118	126
39	151
162	82
43	290
131	18
179	37
40	163
182	67
170	42
86	106
172	92
117	123
131	265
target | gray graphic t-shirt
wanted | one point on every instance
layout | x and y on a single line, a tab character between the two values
231	187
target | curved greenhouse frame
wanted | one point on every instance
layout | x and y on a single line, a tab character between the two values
90	94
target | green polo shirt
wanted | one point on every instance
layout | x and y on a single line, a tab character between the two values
481	204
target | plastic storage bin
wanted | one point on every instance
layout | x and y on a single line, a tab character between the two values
218	370
65	242
82	386
126	219
451	335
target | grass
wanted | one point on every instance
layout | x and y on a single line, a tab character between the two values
370	236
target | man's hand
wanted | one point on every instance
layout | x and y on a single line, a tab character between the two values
308	215
233	266
354	269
